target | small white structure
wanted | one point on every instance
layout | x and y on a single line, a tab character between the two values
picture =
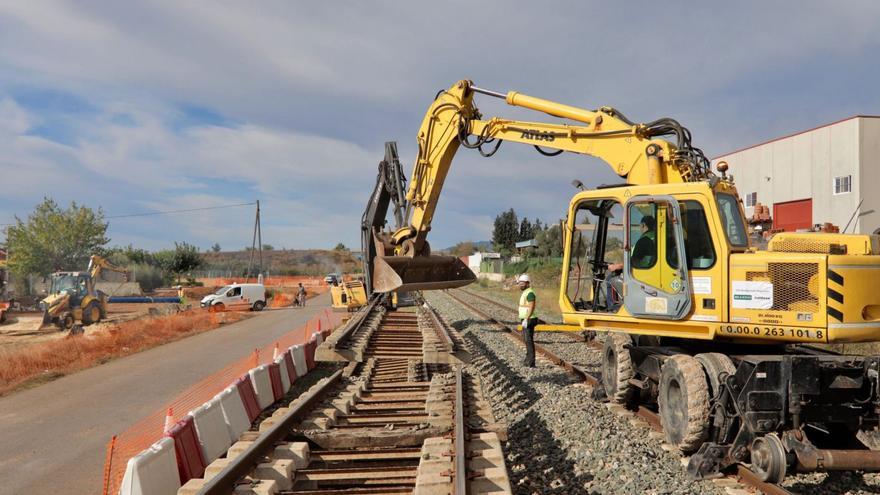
475	261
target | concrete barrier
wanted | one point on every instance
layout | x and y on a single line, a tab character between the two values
236	416
298	352
285	377
310	353
275	381
319	337
248	397
290	368
190	461
214	436
152	472
262	386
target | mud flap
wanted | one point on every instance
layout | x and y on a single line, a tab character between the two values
403	273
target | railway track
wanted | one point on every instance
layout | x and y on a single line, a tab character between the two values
398	416
645	413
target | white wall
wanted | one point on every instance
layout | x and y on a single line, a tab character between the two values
869	164
804	166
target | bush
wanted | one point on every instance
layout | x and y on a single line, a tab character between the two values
148	276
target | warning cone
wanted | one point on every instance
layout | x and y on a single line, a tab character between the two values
169	420
319	326
275	352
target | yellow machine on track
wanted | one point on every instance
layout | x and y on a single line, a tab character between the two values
697	320
73	296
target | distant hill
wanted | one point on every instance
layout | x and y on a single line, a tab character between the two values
479	245
286	261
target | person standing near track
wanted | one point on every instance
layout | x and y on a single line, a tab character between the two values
301	295
528	315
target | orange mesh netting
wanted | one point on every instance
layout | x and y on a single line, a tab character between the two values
151	428
271	281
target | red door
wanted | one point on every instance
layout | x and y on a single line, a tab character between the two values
793	215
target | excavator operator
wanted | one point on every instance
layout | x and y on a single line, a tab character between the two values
644	254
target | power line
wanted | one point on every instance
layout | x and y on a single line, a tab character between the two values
166	212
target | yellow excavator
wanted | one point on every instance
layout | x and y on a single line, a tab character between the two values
73	296
718	335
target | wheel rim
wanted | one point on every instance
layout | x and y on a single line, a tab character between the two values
95	314
768	458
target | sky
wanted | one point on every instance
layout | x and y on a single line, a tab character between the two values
138	107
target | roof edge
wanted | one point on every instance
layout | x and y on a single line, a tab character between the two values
796	134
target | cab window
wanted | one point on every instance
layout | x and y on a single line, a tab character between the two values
699	251
235	291
643	236
732	221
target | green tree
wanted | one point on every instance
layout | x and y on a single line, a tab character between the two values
505	231
54	238
268	247
215	248
184	258
526	230
340	247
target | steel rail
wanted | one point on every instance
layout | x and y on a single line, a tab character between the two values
460	447
744	474
576	373
242	465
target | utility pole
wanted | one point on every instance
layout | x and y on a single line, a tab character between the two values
256	244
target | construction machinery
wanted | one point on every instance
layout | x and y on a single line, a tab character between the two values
389	192
714	332
348	295
74	298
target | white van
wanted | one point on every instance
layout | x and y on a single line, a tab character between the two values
236	294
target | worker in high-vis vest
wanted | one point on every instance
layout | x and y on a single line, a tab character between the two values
529	317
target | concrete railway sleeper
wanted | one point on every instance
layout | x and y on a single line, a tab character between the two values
779	409
385	423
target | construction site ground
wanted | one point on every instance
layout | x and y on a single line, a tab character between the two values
24	328
61	428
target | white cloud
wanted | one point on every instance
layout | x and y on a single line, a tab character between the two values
314	89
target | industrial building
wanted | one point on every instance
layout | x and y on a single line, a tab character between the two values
828	174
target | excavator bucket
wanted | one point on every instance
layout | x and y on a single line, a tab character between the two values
403	273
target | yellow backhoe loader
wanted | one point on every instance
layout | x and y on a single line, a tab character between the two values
73	296
716	333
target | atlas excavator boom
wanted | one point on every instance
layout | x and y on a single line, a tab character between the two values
634	151
699	322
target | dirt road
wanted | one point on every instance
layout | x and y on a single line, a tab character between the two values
52	438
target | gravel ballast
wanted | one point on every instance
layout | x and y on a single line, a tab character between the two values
560	440
851	483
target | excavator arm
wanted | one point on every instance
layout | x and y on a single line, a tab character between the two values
97	264
636	152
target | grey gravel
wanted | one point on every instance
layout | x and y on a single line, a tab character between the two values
849	483
560	440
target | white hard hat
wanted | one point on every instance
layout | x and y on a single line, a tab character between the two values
523	278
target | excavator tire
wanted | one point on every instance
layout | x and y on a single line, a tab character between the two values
91	313
617	368
66	321
715	364
684	402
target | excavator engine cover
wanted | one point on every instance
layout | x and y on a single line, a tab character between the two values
406	273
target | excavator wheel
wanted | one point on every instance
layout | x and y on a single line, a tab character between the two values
715	364
91	313
617	368
66	321
684	402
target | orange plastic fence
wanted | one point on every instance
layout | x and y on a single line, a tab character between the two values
271	281
150	429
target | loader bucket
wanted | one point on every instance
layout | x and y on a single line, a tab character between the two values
403	273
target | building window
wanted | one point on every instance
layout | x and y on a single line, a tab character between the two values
843	184
751	199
